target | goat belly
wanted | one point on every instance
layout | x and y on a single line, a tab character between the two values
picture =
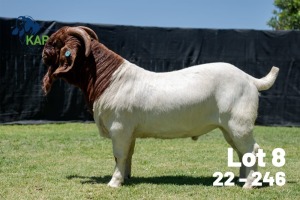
184	122
170	132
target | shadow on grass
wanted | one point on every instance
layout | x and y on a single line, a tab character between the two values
158	180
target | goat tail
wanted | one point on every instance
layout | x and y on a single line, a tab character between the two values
266	82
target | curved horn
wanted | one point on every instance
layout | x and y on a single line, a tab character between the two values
83	35
90	32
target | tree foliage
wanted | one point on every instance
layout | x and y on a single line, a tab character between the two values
286	15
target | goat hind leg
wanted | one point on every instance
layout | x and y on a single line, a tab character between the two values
245	145
240	135
227	136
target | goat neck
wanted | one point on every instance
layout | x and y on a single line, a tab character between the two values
99	68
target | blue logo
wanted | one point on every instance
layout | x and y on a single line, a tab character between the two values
26	29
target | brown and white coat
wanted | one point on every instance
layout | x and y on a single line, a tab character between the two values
129	102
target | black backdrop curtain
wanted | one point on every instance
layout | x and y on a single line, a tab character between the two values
155	49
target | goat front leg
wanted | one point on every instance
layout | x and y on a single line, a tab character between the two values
121	148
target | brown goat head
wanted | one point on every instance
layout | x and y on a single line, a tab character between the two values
62	50
75	55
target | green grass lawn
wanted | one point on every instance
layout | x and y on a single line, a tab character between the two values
71	161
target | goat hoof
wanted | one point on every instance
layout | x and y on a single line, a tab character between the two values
247	186
114	183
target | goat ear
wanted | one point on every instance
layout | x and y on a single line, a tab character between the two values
66	61
47	81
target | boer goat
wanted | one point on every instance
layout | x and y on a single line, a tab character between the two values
129	102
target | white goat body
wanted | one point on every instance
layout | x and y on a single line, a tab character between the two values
183	103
